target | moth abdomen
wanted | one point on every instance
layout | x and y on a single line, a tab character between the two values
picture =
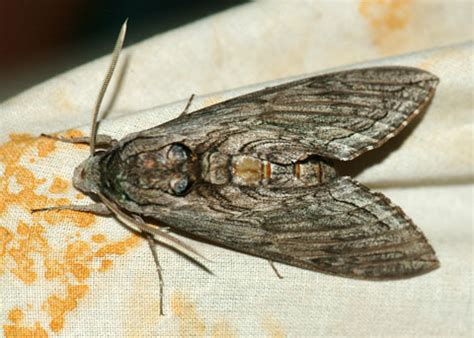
250	170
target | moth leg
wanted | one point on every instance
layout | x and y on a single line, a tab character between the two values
272	264
101	141
151	244
95	208
185	111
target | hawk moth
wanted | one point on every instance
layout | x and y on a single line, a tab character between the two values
255	174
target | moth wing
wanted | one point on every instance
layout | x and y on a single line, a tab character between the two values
341	115
338	116
342	229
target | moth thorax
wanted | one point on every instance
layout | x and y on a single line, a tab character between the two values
215	168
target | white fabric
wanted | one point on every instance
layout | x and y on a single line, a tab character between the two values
69	274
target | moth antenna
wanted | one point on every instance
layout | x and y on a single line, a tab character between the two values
105	83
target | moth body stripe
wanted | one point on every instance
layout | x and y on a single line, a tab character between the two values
268	170
297	171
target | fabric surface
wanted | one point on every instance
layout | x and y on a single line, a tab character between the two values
73	274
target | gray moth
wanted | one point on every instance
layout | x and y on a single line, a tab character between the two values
255	174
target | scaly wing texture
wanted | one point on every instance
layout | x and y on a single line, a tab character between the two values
342	228
338	116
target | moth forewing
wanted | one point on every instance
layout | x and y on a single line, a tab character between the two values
254	174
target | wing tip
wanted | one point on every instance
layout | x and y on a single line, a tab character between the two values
422	106
420	268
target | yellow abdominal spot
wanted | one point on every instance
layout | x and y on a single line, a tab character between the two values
248	169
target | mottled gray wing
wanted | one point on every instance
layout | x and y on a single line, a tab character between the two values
338	115
344	114
341	228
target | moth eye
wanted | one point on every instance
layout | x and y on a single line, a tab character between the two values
179	185
178	153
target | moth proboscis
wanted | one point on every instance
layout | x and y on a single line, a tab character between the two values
255	174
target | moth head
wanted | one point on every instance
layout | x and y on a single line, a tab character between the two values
87	175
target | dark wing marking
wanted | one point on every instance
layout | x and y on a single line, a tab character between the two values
341	228
339	115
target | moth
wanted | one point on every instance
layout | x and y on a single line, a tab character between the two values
255	174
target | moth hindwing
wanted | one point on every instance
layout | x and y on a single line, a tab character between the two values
254	174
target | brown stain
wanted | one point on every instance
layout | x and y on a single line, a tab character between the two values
388	21
16	330
273	327
191	324
223	329
24	245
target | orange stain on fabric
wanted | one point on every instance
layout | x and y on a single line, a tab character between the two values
26	252
105	265
387	18
143	303
98	238
273	328
5	239
223	329
16	330
191	324
119	247
30	240
79	219
17	183
71	133
58	186
77	261
58	307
